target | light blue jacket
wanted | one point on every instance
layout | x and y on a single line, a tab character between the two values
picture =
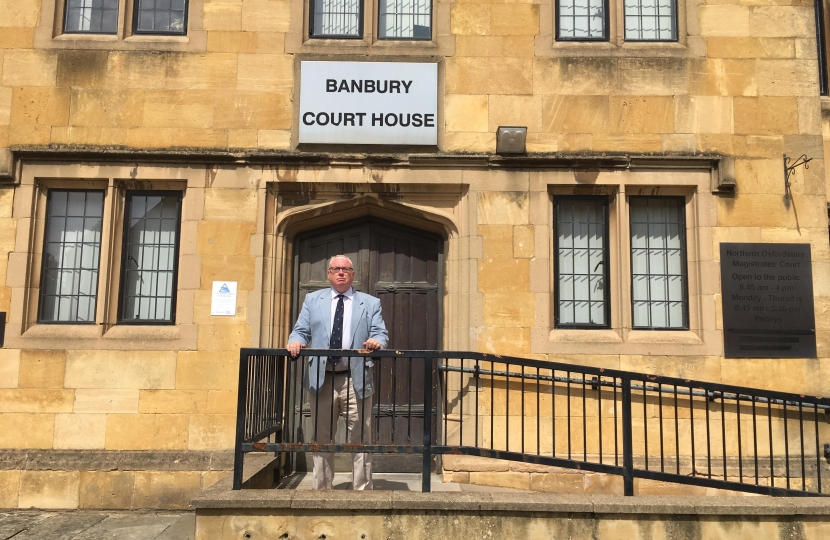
313	329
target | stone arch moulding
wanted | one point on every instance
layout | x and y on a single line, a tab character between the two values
293	208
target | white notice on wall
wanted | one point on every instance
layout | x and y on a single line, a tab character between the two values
369	103
223	301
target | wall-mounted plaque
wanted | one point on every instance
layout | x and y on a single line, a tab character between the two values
767	301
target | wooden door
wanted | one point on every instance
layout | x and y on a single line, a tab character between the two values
402	267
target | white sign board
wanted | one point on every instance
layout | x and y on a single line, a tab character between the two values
368	103
223	301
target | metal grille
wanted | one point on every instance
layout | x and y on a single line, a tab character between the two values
71	251
405	19
160	16
582	19
150	254
91	16
658	262
337	18
581	267
650	20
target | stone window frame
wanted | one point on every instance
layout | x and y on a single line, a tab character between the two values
702	337
689	44
298	40
26	332
50	34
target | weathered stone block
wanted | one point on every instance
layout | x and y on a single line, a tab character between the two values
270	42
105	490
5	105
556	482
261	110
230	205
785	78
31	400
515	111
725	20
106	401
509	341
212	431
503	208
470	19
265	73
574	76
650	77
466	113
209	370
703	114
491	275
222	401
120	369
9	368
766	115
515	19
274	139
265	15
497	241
640	114
201	309
17	38
228	268
749	47
104	107
221	16
30	68
146	432
515	480
49	489
81	68
575	114
189	71
182	108
19	13
232	42
724	77
167	490
9	488
781	21
510	309
225	238
136	70
172	401
80	431
634	142
469	142
198	137
47	106
492	75
41	369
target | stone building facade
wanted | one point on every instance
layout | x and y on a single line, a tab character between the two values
103	413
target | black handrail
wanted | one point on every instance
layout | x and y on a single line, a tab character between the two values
671	429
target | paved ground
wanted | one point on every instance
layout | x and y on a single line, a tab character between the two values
92	525
137	525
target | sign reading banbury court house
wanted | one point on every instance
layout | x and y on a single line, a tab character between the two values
368	103
767	301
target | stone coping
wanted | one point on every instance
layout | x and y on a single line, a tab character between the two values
221	497
116	460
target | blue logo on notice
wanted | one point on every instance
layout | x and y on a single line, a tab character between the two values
224	288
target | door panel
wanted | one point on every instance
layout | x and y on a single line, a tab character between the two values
401	266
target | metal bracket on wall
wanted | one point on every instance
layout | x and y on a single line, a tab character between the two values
790	169
2	328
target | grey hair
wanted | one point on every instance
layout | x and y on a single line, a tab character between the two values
341	257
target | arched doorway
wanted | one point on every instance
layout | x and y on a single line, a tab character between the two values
402	266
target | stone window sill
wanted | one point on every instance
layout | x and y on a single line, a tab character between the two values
442	45
584	336
96	336
668	337
194	41
693	47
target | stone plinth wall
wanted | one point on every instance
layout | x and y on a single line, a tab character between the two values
259	515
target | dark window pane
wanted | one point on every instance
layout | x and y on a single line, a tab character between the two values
160	16
650	20
581	19
581	230
71	253
91	16
149	262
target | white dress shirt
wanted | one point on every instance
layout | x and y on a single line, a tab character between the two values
348	299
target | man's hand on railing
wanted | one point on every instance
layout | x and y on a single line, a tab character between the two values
294	347
371	344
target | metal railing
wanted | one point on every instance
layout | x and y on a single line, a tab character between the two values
633	425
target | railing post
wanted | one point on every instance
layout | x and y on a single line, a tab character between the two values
238	456
427	473
628	444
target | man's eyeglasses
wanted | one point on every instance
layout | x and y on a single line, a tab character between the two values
337	269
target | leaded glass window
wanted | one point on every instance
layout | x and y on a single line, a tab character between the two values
160	16
658	262
581	237
650	20
582	20
405	19
337	18
91	16
149	262
71	253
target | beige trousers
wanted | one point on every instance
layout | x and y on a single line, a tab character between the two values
337	398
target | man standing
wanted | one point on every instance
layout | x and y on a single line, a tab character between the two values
339	318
